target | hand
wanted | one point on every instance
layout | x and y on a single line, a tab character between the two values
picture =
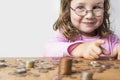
90	50
116	52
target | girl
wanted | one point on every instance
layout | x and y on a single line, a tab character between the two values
83	30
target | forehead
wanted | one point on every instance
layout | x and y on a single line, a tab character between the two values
89	2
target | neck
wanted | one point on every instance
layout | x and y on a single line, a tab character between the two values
89	34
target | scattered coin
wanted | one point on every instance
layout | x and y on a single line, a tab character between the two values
34	75
57	77
20	71
100	70
87	75
2	60
43	71
95	64
3	64
73	77
105	66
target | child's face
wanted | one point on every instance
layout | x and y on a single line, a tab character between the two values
89	22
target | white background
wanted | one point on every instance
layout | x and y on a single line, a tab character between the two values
25	25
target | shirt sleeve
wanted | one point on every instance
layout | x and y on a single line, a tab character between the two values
57	46
114	41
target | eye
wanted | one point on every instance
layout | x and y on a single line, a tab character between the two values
80	7
97	7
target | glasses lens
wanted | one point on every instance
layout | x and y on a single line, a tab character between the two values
98	12
83	12
80	12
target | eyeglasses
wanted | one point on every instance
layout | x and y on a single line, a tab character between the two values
82	12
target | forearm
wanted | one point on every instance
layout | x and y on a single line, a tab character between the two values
74	49
56	49
60	49
59	46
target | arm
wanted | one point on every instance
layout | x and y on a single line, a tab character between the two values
115	41
57	46
90	50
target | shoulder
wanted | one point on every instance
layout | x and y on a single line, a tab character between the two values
58	36
58	33
114	38
113	35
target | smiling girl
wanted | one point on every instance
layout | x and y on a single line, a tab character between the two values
83	30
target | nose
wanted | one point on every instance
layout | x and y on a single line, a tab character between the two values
89	14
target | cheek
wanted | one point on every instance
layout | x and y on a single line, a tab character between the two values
75	19
99	21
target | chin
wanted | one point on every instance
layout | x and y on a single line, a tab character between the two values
88	31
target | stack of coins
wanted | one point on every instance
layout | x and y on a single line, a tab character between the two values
87	75
29	64
65	66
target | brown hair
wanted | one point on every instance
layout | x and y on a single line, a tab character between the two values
65	25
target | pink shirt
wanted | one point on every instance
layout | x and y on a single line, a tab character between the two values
58	46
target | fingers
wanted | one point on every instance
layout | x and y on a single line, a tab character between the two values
96	51
91	55
118	56
118	52
115	52
99	50
104	51
94	56
99	42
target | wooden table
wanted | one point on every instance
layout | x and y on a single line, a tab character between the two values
112	73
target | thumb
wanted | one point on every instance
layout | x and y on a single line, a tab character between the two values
105	51
99	42
118	57
115	52
118	53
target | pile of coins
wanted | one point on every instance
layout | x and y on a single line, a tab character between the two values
65	66
87	75
23	67
29	64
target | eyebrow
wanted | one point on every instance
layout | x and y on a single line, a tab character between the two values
80	4
100	2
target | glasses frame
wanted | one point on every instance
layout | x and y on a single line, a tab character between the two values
86	11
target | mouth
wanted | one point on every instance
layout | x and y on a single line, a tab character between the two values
89	23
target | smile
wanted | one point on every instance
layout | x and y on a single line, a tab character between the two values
89	23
